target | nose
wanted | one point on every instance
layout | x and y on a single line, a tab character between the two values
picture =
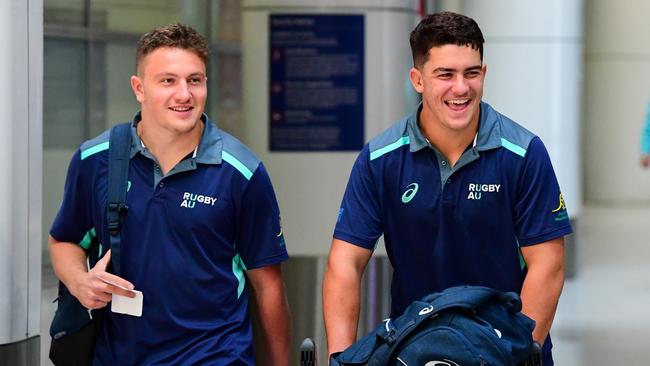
183	93
460	85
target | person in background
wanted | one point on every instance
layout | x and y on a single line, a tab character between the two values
462	195
645	141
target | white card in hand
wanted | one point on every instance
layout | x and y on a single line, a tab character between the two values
126	305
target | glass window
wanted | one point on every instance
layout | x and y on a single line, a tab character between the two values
64	90
64	12
141	16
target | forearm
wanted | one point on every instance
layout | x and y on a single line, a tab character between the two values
68	261
341	304
275	322
540	295
273	312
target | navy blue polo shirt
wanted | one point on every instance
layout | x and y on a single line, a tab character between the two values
462	225
187	240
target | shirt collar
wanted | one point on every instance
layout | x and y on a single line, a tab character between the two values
488	136
208	151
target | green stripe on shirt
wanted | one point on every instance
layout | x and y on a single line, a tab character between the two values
404	140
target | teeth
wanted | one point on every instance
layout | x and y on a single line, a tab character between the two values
179	109
458	101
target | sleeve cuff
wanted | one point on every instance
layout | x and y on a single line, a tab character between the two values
355	240
556	233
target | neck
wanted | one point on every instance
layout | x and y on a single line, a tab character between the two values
451	143
169	147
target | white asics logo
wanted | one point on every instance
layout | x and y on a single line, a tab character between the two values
441	363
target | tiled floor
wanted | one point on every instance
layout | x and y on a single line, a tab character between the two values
603	316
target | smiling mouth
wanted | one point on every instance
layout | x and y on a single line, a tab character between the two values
458	104
181	109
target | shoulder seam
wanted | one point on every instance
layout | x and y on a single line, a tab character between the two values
238	155
514	148
403	140
235	163
95	145
389	140
94	149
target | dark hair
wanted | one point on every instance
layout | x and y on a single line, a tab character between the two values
172	35
441	29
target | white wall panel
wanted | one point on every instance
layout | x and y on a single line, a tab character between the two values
309	185
617	92
536	84
533	52
21	24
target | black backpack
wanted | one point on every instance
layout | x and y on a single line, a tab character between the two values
74	329
464	325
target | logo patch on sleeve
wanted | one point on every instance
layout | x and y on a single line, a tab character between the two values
560	211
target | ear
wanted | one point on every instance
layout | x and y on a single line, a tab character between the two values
138	88
484	70
415	76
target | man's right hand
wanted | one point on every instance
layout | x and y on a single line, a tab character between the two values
94	289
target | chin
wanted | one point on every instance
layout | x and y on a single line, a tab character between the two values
183	126
459	125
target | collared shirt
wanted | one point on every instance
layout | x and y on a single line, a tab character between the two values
187	239
462	225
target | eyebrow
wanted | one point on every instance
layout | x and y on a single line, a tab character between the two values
446	69
165	74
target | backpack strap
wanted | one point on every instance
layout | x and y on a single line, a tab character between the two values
396	330
472	297
118	174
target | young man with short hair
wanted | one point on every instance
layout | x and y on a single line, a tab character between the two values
462	194
203	225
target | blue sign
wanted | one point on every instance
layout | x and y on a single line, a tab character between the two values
316	96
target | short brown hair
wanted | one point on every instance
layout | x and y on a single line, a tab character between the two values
441	29
172	35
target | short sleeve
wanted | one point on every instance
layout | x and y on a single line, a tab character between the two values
359	219
260	240
540	212
73	222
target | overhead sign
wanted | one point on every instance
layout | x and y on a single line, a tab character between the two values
316	96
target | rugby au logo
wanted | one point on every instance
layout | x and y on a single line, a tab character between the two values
476	190
190	200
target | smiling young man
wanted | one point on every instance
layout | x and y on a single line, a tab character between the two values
203	226
462	194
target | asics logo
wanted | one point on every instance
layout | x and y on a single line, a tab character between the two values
441	363
426	310
411	191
